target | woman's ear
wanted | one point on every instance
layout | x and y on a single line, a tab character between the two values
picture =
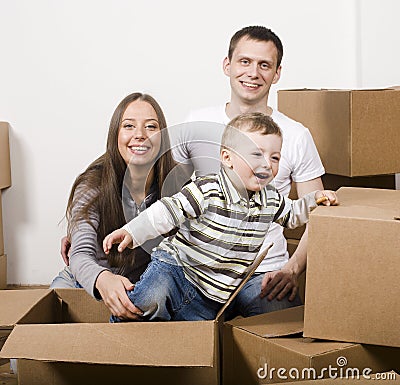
226	158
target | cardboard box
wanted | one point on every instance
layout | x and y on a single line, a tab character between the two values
334	182
385	377
356	131
5	169
256	349
3	271
65	337
353	285
1	228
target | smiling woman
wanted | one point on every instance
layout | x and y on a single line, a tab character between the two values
128	177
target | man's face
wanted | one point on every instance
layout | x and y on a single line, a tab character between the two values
252	70
255	161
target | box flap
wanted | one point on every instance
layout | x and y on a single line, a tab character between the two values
16	304
275	324
252	268
172	344
364	203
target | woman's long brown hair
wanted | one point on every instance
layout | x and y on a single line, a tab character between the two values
105	176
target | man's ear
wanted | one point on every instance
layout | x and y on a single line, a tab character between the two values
226	158
277	75
226	66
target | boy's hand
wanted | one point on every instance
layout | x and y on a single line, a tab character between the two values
326	198
118	236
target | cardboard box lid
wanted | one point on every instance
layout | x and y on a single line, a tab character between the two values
364	203
172	344
5	169
16	304
287	323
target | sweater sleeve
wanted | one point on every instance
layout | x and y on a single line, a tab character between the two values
295	213
84	254
167	214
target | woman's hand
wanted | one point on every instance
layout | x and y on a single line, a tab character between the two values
112	288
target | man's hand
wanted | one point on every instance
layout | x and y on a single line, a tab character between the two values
118	236
279	283
65	247
112	289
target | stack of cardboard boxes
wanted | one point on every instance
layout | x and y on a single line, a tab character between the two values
5	181
352	308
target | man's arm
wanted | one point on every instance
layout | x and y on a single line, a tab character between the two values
279	283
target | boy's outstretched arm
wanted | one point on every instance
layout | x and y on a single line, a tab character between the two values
120	236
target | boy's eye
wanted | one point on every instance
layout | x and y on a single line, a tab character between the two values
275	158
257	154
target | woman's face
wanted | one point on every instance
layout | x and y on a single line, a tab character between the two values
139	137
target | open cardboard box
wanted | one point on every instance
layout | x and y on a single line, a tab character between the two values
356	131
353	285
64	337
264	349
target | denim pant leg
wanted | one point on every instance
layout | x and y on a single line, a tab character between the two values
65	280
163	293
248	301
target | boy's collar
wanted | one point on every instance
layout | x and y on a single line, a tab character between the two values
233	196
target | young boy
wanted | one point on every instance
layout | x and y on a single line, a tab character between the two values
221	220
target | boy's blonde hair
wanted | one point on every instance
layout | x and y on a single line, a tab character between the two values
247	122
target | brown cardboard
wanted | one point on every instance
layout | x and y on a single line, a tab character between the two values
356	131
251	349
1	228
51	351
5	169
353	283
334	182
3	272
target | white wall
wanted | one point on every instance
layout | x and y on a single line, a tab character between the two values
66	64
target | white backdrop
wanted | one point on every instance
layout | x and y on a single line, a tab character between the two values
66	64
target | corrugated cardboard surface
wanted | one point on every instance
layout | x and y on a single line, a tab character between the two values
1	228
355	131
250	349
5	170
353	285
3	271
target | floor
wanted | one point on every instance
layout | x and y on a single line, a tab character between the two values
6	376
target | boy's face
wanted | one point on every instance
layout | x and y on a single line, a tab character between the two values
255	160
252	70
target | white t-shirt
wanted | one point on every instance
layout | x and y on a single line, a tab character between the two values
198	141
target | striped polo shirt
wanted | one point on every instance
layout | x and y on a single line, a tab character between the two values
219	232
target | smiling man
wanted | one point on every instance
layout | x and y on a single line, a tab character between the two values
253	64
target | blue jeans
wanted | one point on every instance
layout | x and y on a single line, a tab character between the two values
248	302
164	294
65	280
